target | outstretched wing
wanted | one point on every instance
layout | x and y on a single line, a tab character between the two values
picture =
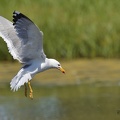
23	38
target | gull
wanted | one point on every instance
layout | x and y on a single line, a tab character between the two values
25	43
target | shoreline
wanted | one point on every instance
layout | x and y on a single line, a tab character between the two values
77	72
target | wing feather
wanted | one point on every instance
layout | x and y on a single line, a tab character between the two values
23	38
7	32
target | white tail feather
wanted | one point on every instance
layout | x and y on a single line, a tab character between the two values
19	80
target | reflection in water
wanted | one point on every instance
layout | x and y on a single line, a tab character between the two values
3	113
49	108
83	102
46	108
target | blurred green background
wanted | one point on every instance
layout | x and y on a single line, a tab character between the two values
72	28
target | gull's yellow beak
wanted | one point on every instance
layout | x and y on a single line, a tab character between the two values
62	70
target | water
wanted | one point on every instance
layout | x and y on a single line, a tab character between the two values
77	102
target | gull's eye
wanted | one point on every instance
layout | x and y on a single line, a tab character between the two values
59	65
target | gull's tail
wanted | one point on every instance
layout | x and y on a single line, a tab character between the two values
19	80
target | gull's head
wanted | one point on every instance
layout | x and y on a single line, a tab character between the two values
55	64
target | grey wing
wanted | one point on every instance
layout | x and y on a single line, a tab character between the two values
23	38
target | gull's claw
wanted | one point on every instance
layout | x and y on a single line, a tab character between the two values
31	91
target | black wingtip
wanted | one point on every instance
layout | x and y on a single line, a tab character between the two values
17	15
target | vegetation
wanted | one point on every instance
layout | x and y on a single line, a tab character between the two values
72	29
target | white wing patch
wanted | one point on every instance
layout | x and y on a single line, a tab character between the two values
7	33
19	80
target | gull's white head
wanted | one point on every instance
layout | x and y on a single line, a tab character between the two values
55	64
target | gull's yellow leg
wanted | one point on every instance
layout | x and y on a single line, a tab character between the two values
25	89
31	91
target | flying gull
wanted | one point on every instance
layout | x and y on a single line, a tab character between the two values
25	44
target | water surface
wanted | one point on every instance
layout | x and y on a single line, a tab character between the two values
73	102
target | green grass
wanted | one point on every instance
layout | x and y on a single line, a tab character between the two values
72	29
